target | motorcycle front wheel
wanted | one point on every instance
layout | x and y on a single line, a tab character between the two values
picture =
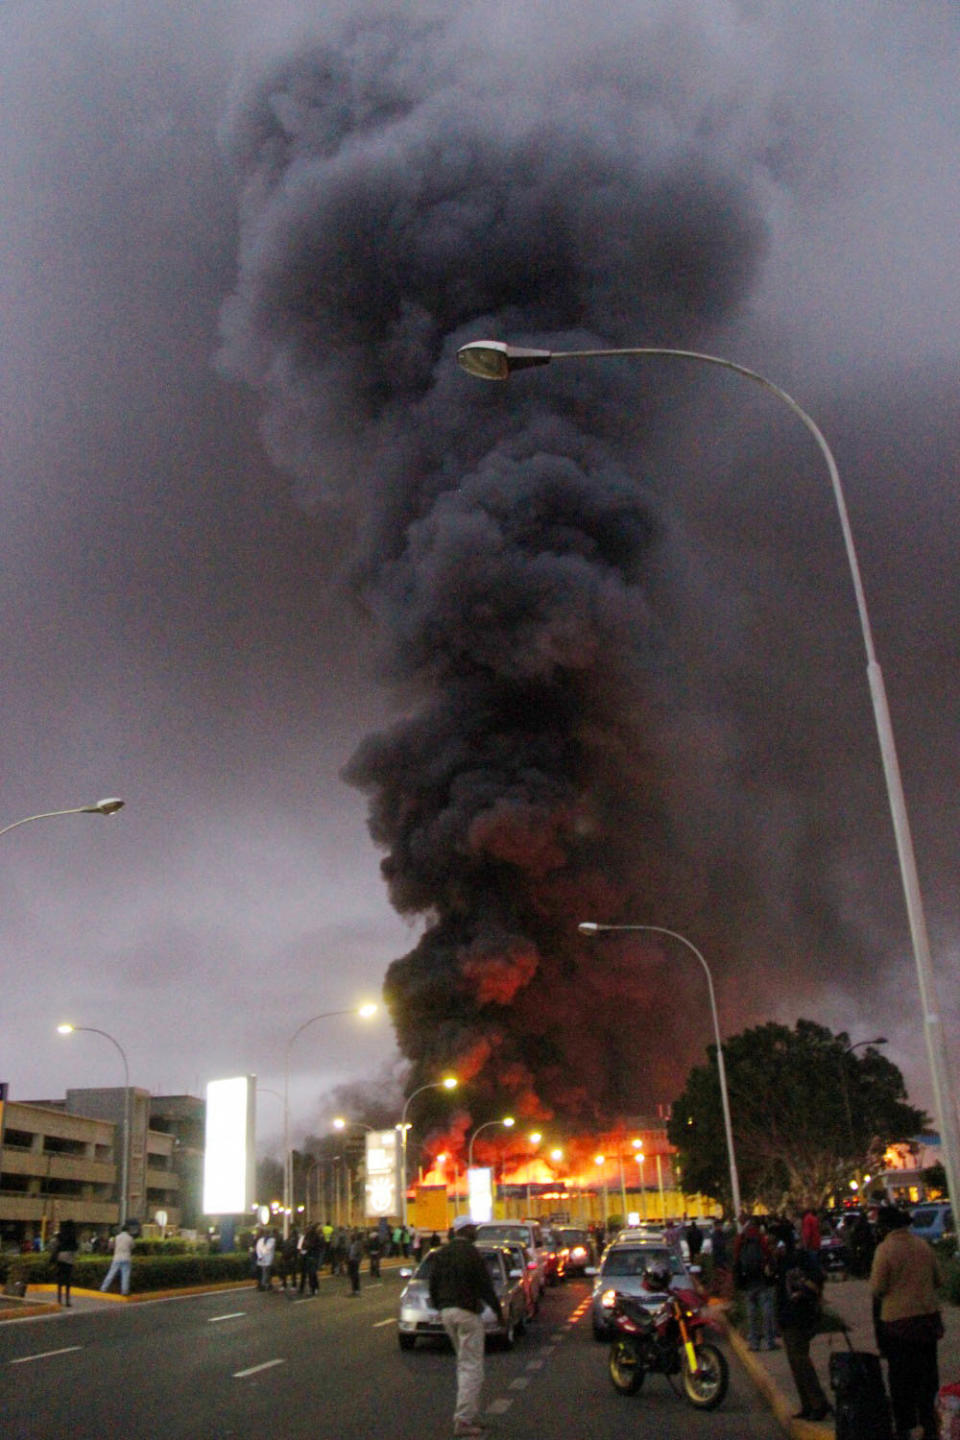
626	1371
706	1388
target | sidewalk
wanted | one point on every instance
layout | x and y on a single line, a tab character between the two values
850	1299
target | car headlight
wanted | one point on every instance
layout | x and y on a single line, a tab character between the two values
578	1253
607	1299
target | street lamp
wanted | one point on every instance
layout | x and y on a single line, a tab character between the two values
102	807
68	1029
495	360
450	1082
848	1050
507	1122
364	1011
589	927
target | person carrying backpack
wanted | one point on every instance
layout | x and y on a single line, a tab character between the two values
754	1274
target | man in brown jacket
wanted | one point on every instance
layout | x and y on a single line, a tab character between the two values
903	1280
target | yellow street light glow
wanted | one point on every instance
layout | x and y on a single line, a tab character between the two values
339	1123
509	1121
556	1154
65	1029
451	1082
600	1159
535	1137
366	1010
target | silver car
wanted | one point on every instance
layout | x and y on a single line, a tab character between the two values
418	1319
622	1270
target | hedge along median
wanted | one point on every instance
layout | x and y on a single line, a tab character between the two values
148	1272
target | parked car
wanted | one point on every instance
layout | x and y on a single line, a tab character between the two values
575	1250
418	1320
933	1221
622	1270
528	1233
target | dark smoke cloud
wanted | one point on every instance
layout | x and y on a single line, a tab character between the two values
510	561
532	599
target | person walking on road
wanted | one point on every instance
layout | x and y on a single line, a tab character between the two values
121	1262
354	1256
460	1287
903	1280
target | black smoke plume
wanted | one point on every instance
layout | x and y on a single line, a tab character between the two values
399	197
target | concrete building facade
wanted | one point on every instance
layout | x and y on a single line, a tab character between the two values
63	1160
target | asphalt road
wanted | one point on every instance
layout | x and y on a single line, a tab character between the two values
238	1365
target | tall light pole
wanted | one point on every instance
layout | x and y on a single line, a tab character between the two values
495	360
507	1122
365	1012
102	807
448	1083
590	927
67	1029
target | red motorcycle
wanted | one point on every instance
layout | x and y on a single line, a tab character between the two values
670	1341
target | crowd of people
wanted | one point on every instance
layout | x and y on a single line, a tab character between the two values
298	1260
775	1265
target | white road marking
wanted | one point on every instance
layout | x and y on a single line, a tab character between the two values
380	1323
234	1315
255	1369
45	1354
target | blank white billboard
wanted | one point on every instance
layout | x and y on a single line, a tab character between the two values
229	1150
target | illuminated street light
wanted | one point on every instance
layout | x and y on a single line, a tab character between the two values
364	1012
507	1122
495	360
102	807
68	1029
449	1082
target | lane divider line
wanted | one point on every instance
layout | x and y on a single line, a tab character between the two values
255	1369
45	1355
234	1315
379	1324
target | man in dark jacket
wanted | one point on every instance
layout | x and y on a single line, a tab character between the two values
460	1287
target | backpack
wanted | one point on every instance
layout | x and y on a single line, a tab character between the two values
753	1267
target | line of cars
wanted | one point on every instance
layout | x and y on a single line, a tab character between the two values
522	1257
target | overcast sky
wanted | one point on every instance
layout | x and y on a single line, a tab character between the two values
186	505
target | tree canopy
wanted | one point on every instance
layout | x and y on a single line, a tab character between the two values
808	1111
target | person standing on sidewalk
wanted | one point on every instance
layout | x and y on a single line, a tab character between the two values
799	1291
460	1287
754	1274
906	1315
64	1254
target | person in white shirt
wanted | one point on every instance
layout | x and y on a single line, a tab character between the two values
121	1262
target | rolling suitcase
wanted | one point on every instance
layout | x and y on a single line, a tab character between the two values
862	1407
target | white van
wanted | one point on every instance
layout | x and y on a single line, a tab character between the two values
528	1233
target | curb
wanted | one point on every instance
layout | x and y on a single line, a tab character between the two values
764	1382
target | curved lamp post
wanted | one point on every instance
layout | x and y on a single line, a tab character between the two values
495	360
365	1012
67	1029
449	1083
589	927
102	807
507	1122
